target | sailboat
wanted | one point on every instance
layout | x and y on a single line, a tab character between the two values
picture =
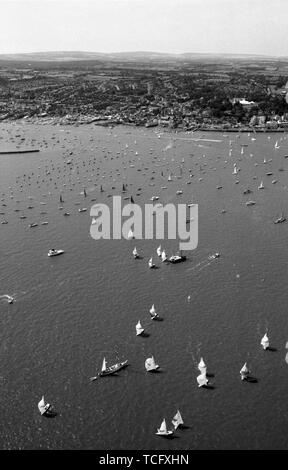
150	364
110	370
153	312
202	380
150	263
169	177
130	234
261	186
84	192
235	171
123	188
177	420
202	366
163	431
45	409
276	145
139	329
61	199
135	253
265	341
244	372
163	256
159	250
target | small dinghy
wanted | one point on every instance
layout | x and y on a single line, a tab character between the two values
202	380
135	253
202	366
177	420
150	263
163	256
153	312
163	431
139	329
130	235
244	372
150	364
45	409
53	252
265	342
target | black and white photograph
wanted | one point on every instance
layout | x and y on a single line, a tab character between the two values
143	227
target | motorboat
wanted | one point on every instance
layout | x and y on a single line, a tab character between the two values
177	258
250	203
83	209
33	225
280	219
247	191
53	252
214	256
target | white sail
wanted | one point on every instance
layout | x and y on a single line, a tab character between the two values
150	364
265	341
163	256
202	366
169	178
177	420
151	264
103	365
244	371
41	406
202	380
135	253
139	328
159	250
163	427
152	310
130	234
261	185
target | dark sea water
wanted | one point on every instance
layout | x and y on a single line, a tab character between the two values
71	311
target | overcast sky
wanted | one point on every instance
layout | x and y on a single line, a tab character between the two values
215	26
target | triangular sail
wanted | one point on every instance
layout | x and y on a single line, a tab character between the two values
265	341
152	310
103	365
163	427
202	366
244	370
159	250
163	256
139	328
177	420
41	406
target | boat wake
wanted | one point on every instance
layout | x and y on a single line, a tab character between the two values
202	264
7	298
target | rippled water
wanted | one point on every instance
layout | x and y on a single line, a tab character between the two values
70	311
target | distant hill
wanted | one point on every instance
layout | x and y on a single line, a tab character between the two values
144	56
